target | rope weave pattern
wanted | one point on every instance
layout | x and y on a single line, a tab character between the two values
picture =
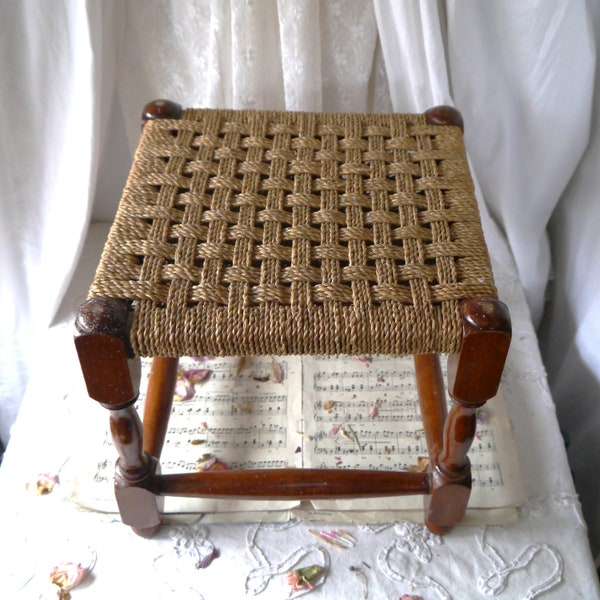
247	232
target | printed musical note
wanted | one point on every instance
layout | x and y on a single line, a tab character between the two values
327	412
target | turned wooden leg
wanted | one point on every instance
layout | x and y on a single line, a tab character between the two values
112	380
432	399
158	403
473	378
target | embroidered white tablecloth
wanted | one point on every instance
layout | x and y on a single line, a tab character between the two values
545	554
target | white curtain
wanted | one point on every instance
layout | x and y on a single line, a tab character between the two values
522	74
570	331
53	82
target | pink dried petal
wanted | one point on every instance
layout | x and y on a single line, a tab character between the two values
218	465
207	559
374	412
205	462
293	580
197	375
334	430
43	484
184	390
301	579
67	575
209	462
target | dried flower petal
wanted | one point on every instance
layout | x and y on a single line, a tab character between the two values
421	466
241	363
410	597
366	360
184	390
334	430
67	575
200	359
197	375
328	406
209	462
349	434
207	559
276	372
205	462
303	578
374	412
43	484
218	465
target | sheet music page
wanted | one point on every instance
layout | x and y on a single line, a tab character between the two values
273	412
243	414
363	412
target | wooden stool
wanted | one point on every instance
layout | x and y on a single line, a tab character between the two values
267	233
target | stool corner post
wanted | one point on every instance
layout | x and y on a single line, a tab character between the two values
474	372
161	109
444	115
446	504
112	376
110	370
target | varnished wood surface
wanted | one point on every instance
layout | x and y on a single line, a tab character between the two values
447	503
158	403
283	484
134	474
444	115
474	372
459	433
127	434
161	109
102	343
432	399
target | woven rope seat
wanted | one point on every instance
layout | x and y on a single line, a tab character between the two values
246	233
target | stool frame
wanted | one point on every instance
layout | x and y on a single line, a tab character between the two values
112	373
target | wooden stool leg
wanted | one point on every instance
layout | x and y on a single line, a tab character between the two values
473	378
432	399
158	403
112	380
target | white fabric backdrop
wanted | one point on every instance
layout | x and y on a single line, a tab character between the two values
570	330
522	74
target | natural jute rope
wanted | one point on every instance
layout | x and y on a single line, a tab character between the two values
246	232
